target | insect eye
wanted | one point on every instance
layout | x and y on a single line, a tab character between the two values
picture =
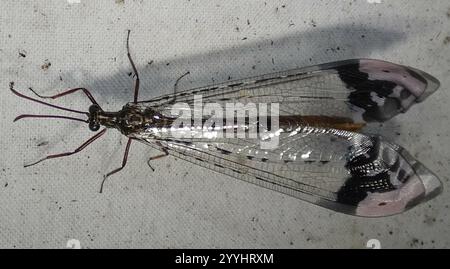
94	126
93	109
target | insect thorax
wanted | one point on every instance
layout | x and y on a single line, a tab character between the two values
131	119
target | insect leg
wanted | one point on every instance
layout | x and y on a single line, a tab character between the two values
157	157
136	85
175	87
124	162
80	148
178	80
85	91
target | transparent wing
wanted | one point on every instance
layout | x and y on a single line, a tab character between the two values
340	170
361	89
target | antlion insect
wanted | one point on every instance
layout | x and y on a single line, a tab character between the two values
320	157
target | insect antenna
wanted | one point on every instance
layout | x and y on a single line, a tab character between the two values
85	91
80	148
11	87
48	117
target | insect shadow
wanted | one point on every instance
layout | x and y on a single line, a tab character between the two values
250	58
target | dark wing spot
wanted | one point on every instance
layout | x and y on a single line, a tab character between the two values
237	171
223	151
262	80
235	84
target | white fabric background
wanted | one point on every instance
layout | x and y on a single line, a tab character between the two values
182	205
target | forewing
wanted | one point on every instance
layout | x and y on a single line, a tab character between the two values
363	90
